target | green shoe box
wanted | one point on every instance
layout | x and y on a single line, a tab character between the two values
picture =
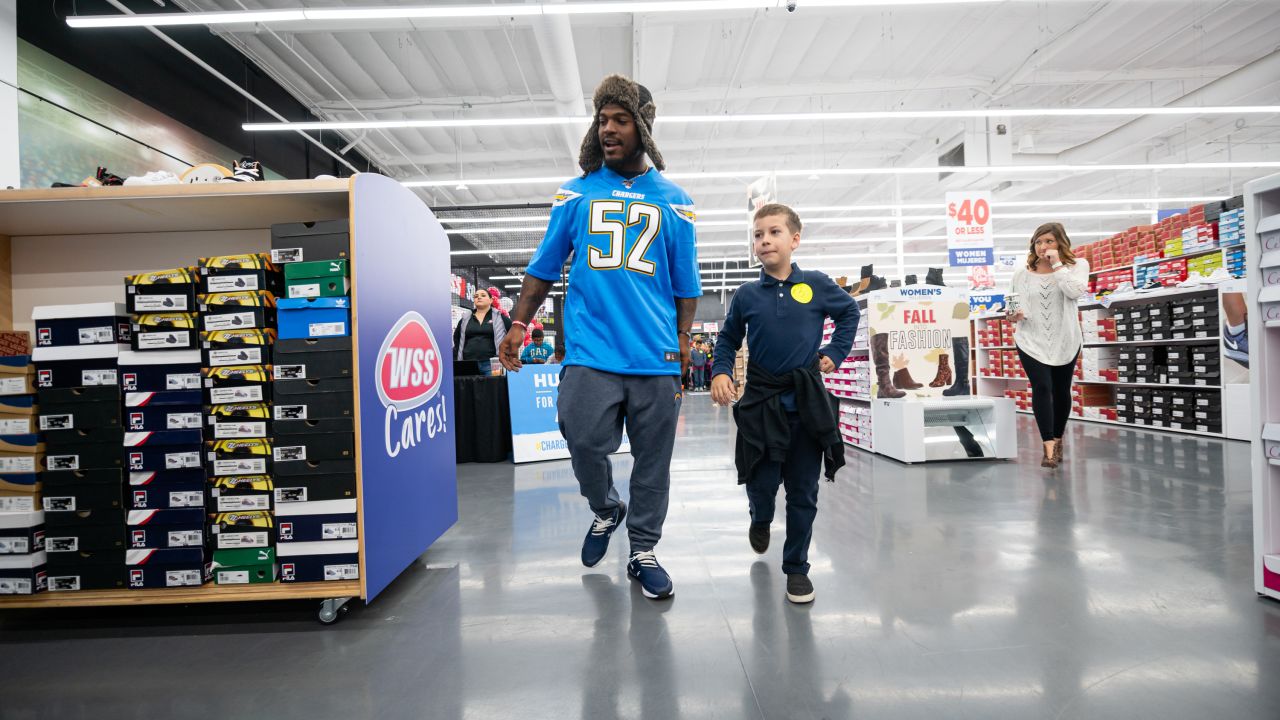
244	566
321	278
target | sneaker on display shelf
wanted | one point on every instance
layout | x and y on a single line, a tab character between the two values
1219	275
155	177
1149	286
1194	279
246	170
1122	290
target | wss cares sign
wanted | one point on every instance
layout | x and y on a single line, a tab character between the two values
410	371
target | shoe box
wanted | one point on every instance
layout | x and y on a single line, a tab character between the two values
165	399
291	489
73	491
166	528
79	408
21	533
326	560
239	420
1194	361
238	384
24	574
84	324
79	366
241	493
167	567
84	530
162	418
162	291
166	489
306	242
318	439
159	370
163	450
84	449
165	331
316	521
239	273
317	279
313	399
287	473
245	529
249	309
1195	317
314	317
246	566
85	570
312	358
250	346
250	456
1140	363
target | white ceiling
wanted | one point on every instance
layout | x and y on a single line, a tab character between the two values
1016	54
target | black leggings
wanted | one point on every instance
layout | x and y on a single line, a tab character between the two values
1050	394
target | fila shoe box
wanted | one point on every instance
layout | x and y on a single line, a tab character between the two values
166	568
162	291
310	241
76	325
79	366
324	561
21	533
247	566
171	528
316	521
164	450
166	489
239	273
23	574
160	371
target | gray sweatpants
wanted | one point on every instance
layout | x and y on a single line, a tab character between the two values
593	406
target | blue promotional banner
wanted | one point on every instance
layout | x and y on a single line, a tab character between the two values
976	256
533	394
402	332
985	302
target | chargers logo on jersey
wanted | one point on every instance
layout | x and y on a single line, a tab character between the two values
563	196
686	212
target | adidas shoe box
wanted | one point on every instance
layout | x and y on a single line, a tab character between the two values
306	242
165	331
291	489
239	420
318	279
251	529
238	457
76	325
160	371
314	317
85	570
73	491
313	399
253	309
84	530
25	574
300	440
165	568
240	384
79	408
168	450
237	347
169	528
248	566
80	366
161	291
21	532
166	489
239	273
312	358
324	561
241	494
316	521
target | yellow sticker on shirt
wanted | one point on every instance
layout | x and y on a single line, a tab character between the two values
802	293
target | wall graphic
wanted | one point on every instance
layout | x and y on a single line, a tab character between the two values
919	342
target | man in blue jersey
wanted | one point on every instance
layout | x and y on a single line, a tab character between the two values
633	288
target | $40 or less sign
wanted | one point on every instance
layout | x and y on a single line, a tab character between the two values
970	240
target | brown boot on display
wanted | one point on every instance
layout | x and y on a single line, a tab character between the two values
943	377
902	380
880	357
865	280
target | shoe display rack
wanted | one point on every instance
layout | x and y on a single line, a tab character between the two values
1262	207
361	304
851	384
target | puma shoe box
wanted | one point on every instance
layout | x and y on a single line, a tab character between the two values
239	273
84	324
166	528
222	348
79	366
247	566
86	570
317	279
21	533
314	317
238	384
246	529
166	489
165	331
313	399
323	561
237	310
24	574
306	242
162	291
316	521
167	567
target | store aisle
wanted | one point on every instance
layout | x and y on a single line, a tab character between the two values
1120	588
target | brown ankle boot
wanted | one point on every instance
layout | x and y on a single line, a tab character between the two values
902	379
1057	451
943	378
1048	461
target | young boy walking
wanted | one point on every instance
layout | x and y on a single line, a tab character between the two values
787	421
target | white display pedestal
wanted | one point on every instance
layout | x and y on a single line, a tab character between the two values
961	428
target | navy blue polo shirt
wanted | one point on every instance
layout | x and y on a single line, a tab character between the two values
782	321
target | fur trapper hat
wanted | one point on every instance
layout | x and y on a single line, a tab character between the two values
637	100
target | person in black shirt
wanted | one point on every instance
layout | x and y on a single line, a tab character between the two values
479	334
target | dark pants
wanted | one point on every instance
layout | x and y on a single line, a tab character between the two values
1050	394
699	377
799	474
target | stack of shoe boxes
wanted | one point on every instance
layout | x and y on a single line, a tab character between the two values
163	436
1204	265
1231	230
77	373
238	316
22	548
1099	364
1193	318
1235	262
1194	365
313	429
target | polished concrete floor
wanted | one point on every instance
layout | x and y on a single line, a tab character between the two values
1118	587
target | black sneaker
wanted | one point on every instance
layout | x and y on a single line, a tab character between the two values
759	537
596	543
246	170
655	583
799	589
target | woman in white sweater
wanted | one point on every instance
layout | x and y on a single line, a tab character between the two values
1048	330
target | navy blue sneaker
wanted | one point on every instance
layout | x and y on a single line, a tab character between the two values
1236	345
654	581
596	543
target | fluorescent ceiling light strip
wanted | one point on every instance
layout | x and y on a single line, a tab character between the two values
185	18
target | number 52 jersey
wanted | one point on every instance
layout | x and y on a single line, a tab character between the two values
634	251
